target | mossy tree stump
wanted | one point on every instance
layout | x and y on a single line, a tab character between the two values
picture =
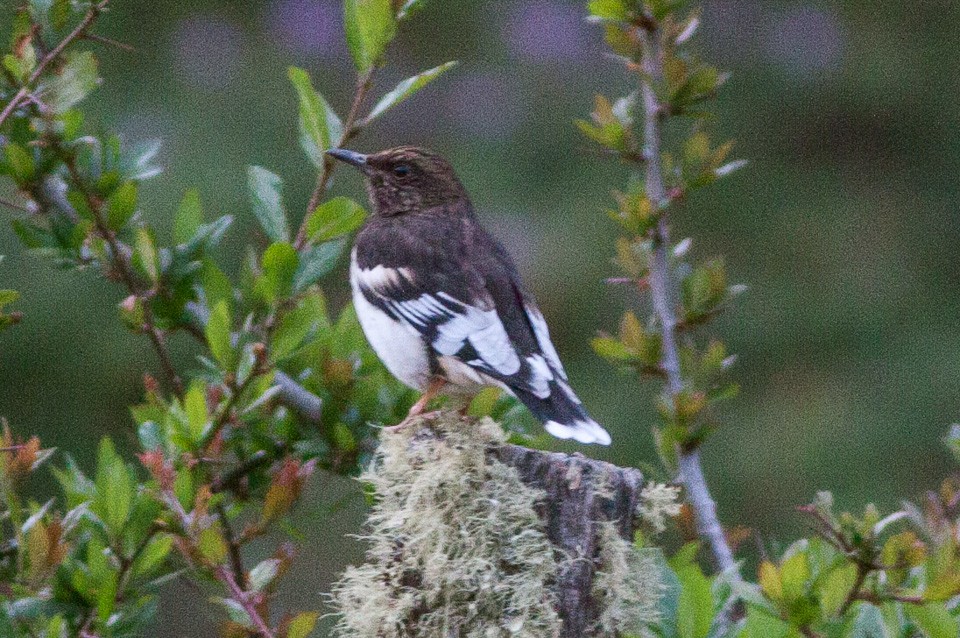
581	496
471	537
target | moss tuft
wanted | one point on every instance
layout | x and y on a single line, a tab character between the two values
456	546
627	585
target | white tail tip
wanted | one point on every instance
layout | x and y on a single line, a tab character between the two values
580	431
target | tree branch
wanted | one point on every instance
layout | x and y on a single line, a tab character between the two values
662	291
122	264
79	32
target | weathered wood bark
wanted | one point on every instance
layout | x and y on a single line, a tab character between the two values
581	494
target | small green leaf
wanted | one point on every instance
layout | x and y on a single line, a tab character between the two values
216	285
608	9
218	334
263	574
75	81
836	588
195	405
695	607
8	297
211	545
114	488
280	263
370	26
794	574
267	200
121	205
302	624
317	263
320	128
20	161
59	13
407	88
153	555
934	619
339	216
145	255
189	217
292	329
408	8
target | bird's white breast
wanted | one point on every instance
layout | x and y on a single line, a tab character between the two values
400	348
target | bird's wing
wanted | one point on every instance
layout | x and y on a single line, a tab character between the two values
440	305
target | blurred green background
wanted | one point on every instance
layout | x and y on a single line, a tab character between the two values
844	226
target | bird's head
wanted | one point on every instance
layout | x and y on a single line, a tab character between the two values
405	179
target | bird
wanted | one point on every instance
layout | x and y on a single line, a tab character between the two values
440	300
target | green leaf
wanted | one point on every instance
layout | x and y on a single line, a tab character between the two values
121	205
407	88
20	161
408	8
212	545
868	623
608	9
302	624
216	285
189	217
293	328
934	619
8	297
153	555
320	128
370	27
695	607
317	263
263	574
145	255
266	197
794	574
75	81
195	405
836	588
114	488
280	263
339	216
59	13
218	334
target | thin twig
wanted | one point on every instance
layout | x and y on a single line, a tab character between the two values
123	46
239	595
236	561
81	29
350	129
662	289
124	268
14	205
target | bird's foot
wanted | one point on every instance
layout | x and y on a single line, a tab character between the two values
411	418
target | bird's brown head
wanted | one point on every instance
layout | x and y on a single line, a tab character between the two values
405	179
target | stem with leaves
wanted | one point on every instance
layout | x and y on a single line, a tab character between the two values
649	37
78	33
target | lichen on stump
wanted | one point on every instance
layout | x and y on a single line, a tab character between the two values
470	537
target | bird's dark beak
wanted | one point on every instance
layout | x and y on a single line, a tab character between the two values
350	157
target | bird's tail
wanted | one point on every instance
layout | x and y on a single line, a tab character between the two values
563	415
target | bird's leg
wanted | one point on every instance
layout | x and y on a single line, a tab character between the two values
417	410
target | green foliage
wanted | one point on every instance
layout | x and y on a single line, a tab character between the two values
320	128
677	84
226	458
407	88
370	26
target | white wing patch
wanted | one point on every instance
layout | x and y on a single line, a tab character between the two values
542	333
381	278
482	329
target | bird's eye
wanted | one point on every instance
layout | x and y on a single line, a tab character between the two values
401	170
